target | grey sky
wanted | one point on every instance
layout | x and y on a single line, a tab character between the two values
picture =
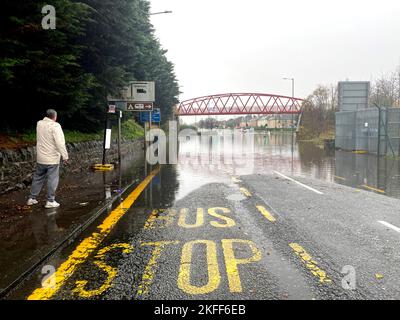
221	46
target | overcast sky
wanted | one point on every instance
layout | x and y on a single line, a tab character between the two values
221	46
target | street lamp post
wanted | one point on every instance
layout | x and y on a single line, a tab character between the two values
291	79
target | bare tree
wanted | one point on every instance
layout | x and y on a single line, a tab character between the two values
385	90
398	87
319	112
320	98
334	98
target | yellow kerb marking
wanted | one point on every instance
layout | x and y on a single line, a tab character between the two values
199	219
245	192
214	277
310	264
232	262
90	244
148	275
373	189
266	213
236	180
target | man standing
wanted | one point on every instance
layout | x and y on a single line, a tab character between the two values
49	148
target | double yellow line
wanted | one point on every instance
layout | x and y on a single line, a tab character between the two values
81	253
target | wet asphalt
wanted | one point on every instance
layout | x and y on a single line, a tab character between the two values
27	234
213	242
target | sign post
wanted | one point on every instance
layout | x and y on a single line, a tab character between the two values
137	92
137	96
154	117
119	137
134	106
106	142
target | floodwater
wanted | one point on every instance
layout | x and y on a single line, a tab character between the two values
283	153
212	157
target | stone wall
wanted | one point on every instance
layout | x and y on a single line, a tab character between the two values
17	166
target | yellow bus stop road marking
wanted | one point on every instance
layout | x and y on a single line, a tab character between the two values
236	180
310	264
148	275
90	244
266	213
245	192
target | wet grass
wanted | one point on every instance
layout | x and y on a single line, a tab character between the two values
319	140
70	136
392	157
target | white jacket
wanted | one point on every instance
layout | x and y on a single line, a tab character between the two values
50	142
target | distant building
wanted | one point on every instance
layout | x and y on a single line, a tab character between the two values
271	121
253	123
266	121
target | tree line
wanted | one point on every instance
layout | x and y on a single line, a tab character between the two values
95	49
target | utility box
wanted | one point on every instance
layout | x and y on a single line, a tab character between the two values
353	95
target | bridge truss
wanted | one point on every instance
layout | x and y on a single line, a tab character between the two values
240	103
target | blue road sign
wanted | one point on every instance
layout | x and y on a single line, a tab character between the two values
155	116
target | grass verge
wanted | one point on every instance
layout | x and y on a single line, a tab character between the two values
130	131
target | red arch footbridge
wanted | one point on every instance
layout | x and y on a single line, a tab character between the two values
240	103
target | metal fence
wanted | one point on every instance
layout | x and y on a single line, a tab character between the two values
393	131
360	130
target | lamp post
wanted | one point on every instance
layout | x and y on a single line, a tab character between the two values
292	79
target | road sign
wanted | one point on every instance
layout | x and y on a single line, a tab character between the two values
353	95
137	91
155	116
134	106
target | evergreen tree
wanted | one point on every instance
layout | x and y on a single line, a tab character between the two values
96	48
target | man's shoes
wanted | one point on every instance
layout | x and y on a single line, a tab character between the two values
31	202
50	205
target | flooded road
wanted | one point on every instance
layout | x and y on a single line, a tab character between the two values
281	152
267	218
